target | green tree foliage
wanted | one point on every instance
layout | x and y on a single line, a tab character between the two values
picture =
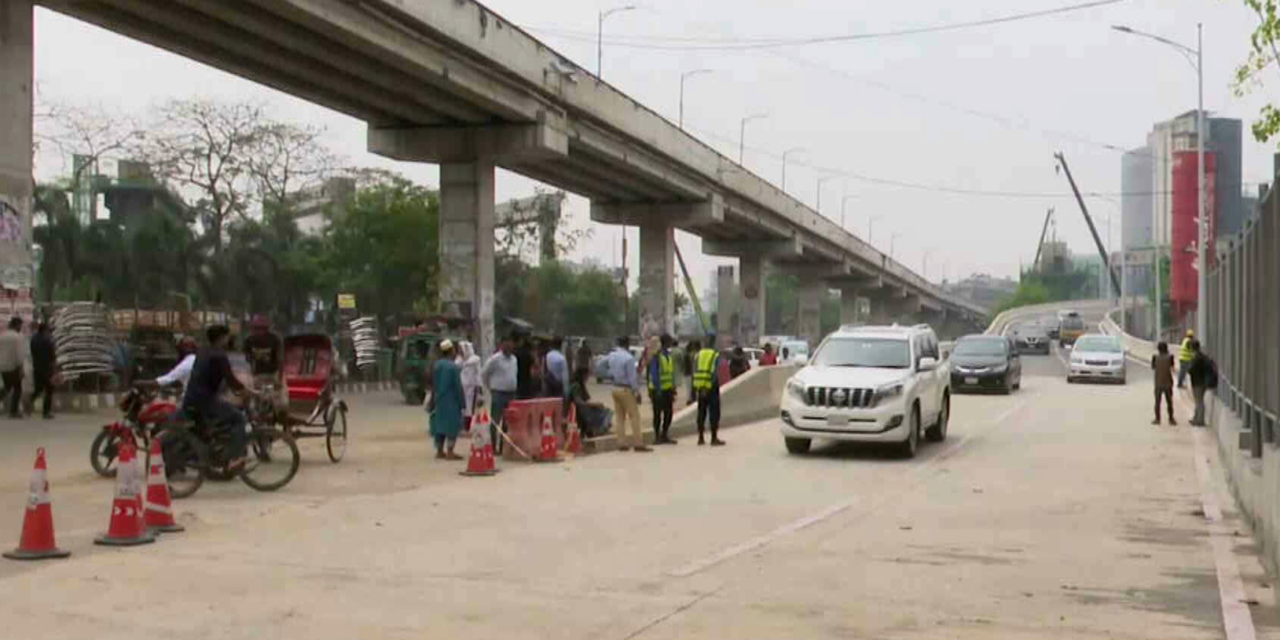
383	247
780	304
1263	54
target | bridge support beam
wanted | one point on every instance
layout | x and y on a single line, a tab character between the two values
850	306
752	271
466	243
657	279
809	298
16	56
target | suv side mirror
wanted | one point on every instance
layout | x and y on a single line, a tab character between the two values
927	364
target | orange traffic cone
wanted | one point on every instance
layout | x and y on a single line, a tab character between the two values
547	451
573	437
159	512
37	541
481	461
126	528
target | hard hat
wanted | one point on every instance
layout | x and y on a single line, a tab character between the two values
446	345
1190	333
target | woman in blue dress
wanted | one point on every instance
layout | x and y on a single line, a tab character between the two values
447	403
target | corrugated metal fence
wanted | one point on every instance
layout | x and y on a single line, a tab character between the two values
1242	326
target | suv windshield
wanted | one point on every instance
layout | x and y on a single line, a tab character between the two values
1098	344
886	353
980	347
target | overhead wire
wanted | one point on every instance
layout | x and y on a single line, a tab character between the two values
919	186
746	44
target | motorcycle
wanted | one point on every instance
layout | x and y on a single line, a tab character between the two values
144	410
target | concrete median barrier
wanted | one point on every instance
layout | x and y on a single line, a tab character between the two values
755	395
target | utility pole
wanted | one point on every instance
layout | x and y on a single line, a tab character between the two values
600	37
685	76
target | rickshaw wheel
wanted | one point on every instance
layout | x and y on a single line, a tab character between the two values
335	437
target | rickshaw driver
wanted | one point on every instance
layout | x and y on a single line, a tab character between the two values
211	370
264	351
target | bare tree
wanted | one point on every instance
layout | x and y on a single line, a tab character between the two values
286	158
90	131
205	147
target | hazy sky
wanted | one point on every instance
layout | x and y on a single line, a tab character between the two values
979	109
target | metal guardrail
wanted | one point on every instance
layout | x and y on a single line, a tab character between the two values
1242	323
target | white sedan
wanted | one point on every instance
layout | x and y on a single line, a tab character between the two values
1097	357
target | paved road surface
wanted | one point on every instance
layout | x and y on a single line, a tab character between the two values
1057	512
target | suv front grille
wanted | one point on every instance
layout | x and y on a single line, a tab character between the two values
839	397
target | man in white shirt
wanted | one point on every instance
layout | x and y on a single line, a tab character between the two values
500	380
182	371
13	349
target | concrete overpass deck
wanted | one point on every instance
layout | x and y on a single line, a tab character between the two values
455	83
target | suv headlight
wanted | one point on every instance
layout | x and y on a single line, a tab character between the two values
1000	368
886	392
795	389
1077	359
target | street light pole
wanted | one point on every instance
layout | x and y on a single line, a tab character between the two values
1202	225
1202	245
893	241
818	207
600	37
685	76
871	225
784	165
925	266
742	134
843	201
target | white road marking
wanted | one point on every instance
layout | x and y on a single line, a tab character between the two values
835	509
1236	617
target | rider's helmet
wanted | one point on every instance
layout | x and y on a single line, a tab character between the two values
187	346
260	322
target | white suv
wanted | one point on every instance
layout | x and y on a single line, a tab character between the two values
870	384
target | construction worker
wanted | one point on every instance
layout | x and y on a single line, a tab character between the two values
662	390
1185	355
706	384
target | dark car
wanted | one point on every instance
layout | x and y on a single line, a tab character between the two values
1031	339
985	363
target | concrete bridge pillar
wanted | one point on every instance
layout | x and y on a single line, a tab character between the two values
16	259
809	299
467	157
657	279
850	305
466	244
752	273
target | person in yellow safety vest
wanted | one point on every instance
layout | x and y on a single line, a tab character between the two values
706	383
662	390
1185	355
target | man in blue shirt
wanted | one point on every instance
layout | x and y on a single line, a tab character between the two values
626	394
557	373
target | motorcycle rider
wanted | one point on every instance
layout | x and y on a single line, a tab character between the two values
209	372
181	372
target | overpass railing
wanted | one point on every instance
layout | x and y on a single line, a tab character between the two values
1242	323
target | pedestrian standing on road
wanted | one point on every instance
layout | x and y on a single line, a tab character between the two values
738	362
626	395
1185	355
706	383
525	387
690	362
446	403
662	390
12	356
556	372
44	364
1162	368
500	378
769	358
469	372
1204	376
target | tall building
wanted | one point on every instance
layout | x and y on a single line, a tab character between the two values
1165	141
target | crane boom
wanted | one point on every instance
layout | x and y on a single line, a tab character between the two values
1106	262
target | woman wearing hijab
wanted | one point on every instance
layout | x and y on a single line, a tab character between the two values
446	403
469	363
